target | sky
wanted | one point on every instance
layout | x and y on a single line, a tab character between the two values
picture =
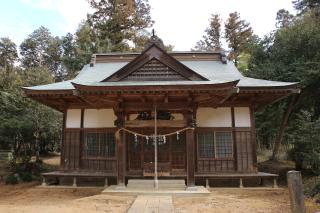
180	23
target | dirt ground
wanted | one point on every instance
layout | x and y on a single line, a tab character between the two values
27	198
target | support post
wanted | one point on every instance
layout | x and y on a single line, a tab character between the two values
190	158
120	158
296	192
106	184
253	140
74	182
240	183
235	152
120	141
44	183
207	183
62	143
275	185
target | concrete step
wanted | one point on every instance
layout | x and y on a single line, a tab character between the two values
149	184
148	181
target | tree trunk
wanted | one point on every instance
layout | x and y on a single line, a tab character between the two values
284	123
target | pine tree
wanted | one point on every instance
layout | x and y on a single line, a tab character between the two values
41	49
119	21
8	54
238	34
284	18
211	39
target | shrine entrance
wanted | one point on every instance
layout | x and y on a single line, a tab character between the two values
171	154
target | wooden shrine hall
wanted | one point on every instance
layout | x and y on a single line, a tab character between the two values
188	114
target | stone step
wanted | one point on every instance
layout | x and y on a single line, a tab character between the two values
149	184
149	181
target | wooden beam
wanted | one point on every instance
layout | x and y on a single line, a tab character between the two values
160	123
138	106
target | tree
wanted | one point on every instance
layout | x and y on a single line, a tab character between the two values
238	34
212	38
284	18
70	57
119	21
304	6
291	54
41	49
33	49
8	54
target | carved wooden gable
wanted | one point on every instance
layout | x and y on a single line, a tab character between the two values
154	64
154	70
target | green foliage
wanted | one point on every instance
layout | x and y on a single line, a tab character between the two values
41	49
11	179
316	189
8	53
212	38
305	136
291	53
26	177
114	23
238	34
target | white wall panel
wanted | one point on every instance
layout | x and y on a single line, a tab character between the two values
242	116
97	118
214	117
73	118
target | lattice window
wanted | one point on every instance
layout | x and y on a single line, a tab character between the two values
223	142
206	147
154	70
100	145
92	144
215	144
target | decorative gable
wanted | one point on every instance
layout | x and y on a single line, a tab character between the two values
154	70
155	64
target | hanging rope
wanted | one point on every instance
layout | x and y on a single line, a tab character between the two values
147	136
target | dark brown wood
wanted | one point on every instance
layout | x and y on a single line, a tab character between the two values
120	142
62	155
150	123
190	136
234	139
253	140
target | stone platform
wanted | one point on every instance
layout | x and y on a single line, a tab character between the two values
193	191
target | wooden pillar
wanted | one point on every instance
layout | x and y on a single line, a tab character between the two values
81	141
235	152
253	140
62	156
190	140
120	141
296	192
119	136
190	157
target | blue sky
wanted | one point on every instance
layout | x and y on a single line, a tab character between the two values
177	22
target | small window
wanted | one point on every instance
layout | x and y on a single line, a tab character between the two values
206	145
223	142
100	145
